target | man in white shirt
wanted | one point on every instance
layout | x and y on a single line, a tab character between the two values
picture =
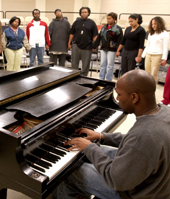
38	37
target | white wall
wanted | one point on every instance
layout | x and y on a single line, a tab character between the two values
137	6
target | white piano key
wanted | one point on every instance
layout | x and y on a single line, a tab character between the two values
59	165
108	121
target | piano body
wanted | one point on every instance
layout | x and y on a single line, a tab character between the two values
40	108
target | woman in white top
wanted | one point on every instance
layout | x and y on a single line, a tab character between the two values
156	50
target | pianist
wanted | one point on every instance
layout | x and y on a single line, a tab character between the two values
139	167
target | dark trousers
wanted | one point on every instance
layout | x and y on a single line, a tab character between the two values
128	60
61	57
80	54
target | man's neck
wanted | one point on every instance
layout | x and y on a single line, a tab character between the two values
36	20
59	18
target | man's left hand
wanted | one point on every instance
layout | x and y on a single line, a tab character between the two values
47	47
78	143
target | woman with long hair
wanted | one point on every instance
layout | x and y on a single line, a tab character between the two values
133	43
156	50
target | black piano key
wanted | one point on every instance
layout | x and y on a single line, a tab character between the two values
97	123
88	127
36	167
90	116
63	136
36	160
51	149
43	154
105	114
98	120
91	126
81	123
100	117
86	119
77	126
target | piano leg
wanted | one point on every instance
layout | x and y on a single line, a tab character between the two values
3	194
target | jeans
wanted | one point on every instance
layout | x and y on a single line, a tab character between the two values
39	51
86	181
107	65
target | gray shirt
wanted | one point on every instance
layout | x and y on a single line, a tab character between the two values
140	168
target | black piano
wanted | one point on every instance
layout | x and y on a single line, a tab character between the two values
40	108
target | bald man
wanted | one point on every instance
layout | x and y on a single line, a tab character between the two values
139	167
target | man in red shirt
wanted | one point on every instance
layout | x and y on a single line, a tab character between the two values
38	37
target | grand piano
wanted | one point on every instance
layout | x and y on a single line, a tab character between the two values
40	108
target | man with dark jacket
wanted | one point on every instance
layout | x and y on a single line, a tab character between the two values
59	33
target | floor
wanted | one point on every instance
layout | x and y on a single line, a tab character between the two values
124	127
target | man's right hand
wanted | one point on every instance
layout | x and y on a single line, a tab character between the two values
117	54
91	135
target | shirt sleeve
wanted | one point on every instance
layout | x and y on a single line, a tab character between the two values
4	41
146	48
113	139
165	45
129	168
124	38
119	37
26	43
47	38
95	31
72	30
142	34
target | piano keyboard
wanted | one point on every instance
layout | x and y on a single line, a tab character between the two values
51	156
49	160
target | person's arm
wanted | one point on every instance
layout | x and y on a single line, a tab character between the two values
4	41
51	29
118	50
139	56
146	48
27	32
142	34
165	48
119	37
47	37
69	41
94	38
26	43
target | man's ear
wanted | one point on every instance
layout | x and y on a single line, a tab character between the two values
134	97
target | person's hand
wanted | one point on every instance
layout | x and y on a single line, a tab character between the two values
94	50
27	51
91	135
78	143
47	47
138	59
117	54
69	46
163	62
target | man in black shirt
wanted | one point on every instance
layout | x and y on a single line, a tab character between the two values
83	33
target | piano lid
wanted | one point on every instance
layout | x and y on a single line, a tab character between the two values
17	85
48	101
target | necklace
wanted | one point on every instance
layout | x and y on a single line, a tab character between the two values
151	110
